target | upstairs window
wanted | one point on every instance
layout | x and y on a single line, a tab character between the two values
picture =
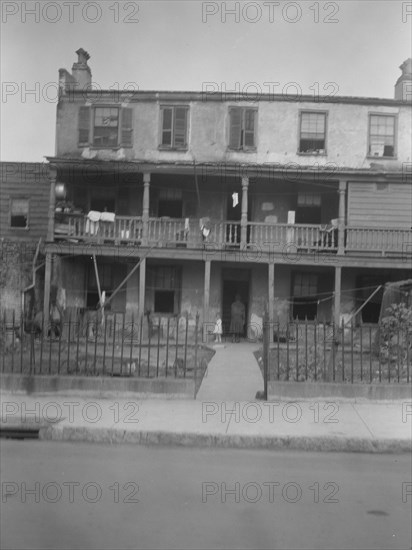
19	213
174	127
381	136
312	133
242	133
105	127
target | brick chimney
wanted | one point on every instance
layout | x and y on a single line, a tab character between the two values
403	86
81	71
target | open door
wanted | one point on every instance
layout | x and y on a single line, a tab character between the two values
230	289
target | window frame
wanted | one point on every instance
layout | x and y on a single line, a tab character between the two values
326	117
177	289
90	128
395	136
94	112
243	147
173	146
19	198
301	297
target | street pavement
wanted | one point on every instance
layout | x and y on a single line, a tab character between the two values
80	495
224	414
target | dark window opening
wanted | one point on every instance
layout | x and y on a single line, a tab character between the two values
164	301
170	208
103	204
304	308
371	312
305	303
19	213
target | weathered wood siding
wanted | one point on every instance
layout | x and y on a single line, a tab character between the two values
378	205
24	180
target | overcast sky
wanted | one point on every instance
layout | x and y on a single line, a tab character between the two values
179	45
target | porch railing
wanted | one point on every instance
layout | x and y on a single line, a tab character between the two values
225	233
176	232
123	229
379	240
302	236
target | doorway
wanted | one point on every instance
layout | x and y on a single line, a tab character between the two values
230	288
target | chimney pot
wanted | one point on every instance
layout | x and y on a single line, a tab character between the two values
403	86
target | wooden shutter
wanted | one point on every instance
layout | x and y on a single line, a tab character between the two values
127	127
235	115
84	125
180	127
249	128
167	121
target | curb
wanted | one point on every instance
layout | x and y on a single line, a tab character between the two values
188	439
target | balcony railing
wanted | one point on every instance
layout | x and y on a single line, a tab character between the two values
305	237
124	229
384	241
179	233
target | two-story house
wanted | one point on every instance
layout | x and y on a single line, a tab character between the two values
176	201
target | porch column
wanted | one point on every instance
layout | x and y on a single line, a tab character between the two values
206	299
271	296
337	298
142	287
52	203
243	219
341	219
146	203
47	287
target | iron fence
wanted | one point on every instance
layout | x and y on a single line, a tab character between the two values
313	351
105	345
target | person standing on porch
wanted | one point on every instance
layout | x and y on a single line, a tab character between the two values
237	318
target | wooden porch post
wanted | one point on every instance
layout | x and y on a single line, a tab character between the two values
142	287
243	219
206	299
271	297
146	203
52	203
47	287
337	297
341	219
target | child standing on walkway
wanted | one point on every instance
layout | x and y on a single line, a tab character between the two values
217	331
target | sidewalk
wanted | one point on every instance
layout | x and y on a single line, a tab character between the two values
225	414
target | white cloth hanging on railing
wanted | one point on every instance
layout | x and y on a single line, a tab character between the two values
107	217
92	222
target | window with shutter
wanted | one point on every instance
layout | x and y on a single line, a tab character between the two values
106	127
84	125
112	127
242	128
174	127
127	126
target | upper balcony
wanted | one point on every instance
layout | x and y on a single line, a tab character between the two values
220	235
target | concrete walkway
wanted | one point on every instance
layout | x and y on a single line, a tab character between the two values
232	375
